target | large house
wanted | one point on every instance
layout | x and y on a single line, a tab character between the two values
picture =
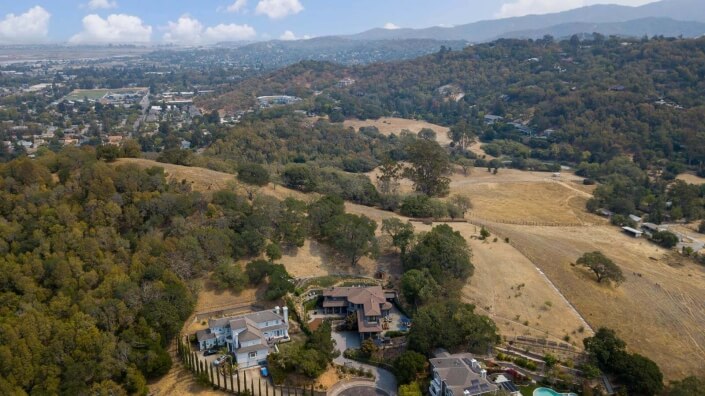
459	375
370	304
249	337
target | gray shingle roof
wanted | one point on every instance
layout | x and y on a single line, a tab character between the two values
459	376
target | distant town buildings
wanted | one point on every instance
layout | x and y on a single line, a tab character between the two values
277	100
346	82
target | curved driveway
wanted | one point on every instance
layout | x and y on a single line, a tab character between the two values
384	380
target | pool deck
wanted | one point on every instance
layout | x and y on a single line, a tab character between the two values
550	392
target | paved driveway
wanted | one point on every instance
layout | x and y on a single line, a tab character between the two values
345	339
361	390
384	380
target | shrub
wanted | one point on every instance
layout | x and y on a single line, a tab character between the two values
666	239
229	275
395	334
622	221
300	177
484	233
254	174
358	165
525	363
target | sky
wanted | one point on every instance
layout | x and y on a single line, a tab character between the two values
189	22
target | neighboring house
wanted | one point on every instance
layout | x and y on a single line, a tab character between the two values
491	119
249	337
459	375
650	229
633	232
522	128
346	82
508	386
605	212
635	218
370	304
114	140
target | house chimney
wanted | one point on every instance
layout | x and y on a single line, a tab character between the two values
276	310
286	314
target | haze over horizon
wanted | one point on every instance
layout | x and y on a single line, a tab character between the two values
211	21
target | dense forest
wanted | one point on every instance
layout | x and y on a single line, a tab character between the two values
98	265
600	96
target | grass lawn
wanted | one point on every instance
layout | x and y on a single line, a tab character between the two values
528	390
93	94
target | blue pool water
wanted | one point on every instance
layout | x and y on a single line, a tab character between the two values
550	392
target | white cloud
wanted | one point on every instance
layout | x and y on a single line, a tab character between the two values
229	32
116	28
290	36
184	30
101	4
30	27
237	6
525	7
391	26
277	9
188	30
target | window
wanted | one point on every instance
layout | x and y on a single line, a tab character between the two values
253	355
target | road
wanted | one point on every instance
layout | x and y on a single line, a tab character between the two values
145	108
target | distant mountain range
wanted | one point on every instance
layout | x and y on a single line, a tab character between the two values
660	18
637	28
669	18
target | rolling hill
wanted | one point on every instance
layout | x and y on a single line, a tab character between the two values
595	18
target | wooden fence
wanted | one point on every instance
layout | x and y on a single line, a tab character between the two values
476	219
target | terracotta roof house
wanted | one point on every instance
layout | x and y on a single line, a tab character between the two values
370	304
249	337
459	375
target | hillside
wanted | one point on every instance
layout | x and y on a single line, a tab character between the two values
648	27
603	98
277	53
539	256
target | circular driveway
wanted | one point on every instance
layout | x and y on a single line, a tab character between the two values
363	391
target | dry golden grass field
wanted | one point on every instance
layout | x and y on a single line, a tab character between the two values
691	178
390	125
659	311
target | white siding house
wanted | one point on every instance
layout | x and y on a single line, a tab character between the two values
248	337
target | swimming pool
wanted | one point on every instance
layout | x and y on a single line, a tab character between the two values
550	392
